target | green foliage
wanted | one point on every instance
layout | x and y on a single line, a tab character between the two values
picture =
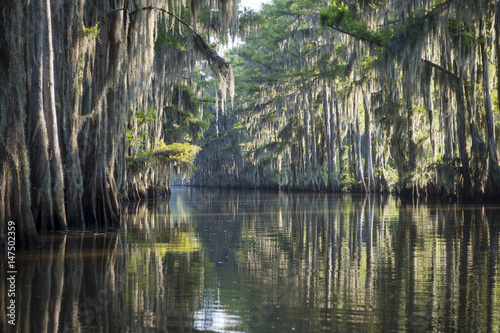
179	154
369	63
342	18
93	31
409	31
181	121
169	38
145	116
140	163
388	113
462	32
249	19
347	182
334	15
412	30
285	59
137	136
170	34
391	176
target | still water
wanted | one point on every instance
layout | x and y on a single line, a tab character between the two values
213	260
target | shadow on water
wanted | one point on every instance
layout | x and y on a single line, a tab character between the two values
239	261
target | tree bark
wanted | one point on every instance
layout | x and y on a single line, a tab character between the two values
314	156
15	198
479	150
429	105
41	180
409	109
71	83
359	162
368	143
331	186
467	185
447	125
340	147
56	170
493	181
307	157
335	149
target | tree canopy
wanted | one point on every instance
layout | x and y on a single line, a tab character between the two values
363	96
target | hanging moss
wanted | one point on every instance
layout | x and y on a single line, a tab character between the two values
114	67
391	73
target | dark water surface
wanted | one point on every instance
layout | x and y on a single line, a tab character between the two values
248	261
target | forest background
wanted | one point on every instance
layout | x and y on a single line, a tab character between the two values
103	102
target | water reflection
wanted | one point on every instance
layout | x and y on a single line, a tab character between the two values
233	261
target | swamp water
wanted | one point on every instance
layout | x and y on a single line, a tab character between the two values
213	260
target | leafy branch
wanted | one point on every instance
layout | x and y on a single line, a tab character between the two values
340	18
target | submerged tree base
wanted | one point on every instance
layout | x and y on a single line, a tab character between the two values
136	193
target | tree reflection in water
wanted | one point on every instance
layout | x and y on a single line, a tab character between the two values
240	261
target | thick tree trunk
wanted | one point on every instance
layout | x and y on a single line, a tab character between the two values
15	198
56	170
493	181
41	180
460	119
70	95
478	147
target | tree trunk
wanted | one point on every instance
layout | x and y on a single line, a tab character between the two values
429	105
314	156
447	125
478	147
493	181
368	143
69	89
56	170
359	162
340	147
41	180
467	186
460	119
307	153
15	198
409	109
331	185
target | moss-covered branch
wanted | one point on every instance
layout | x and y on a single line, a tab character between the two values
341	18
212	55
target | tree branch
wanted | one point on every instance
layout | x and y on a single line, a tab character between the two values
427	62
257	62
353	35
211	54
